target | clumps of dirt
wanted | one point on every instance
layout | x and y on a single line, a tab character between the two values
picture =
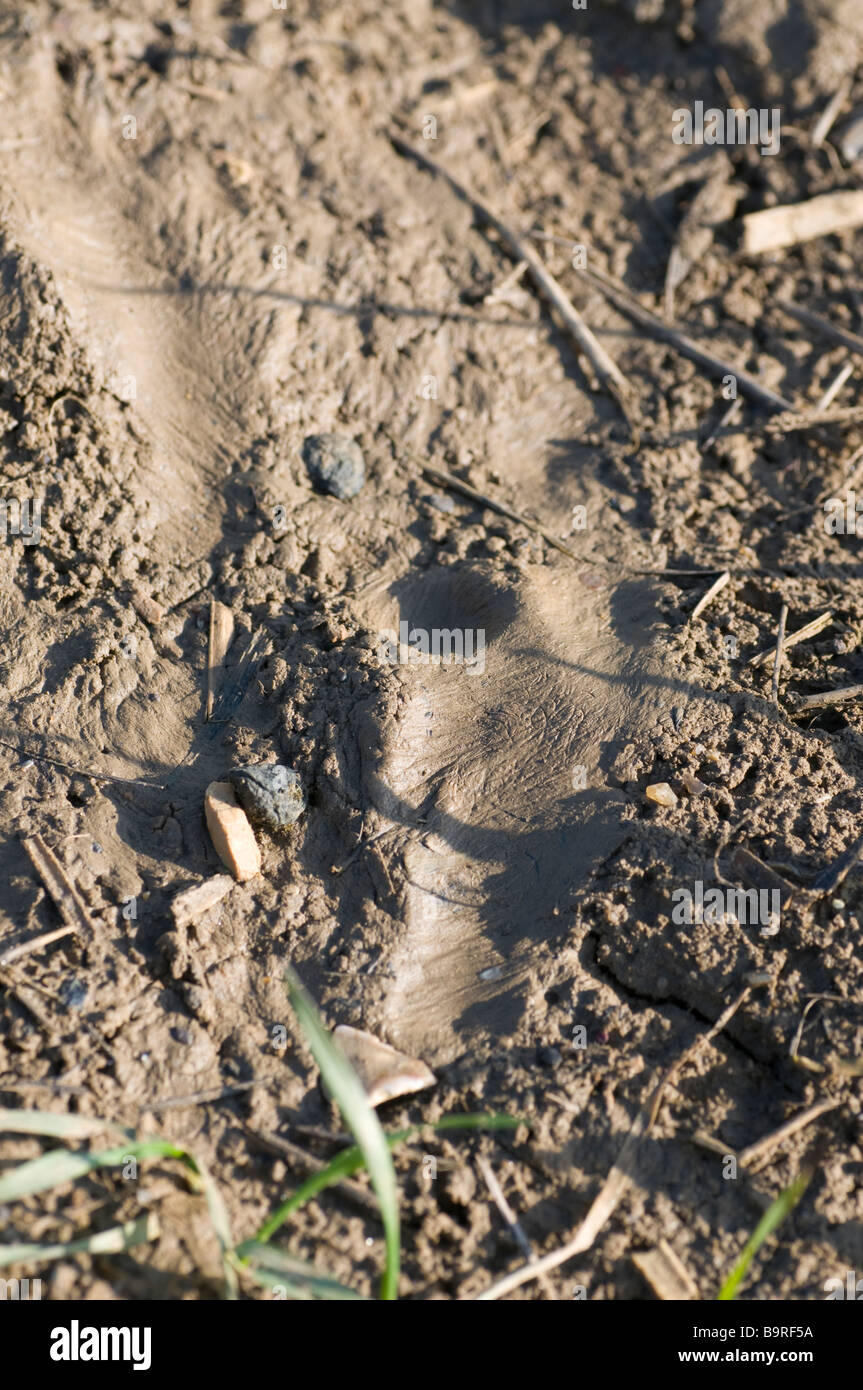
478	877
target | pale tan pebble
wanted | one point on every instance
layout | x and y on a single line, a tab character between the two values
692	784
193	902
148	609
384	1072
231	833
661	793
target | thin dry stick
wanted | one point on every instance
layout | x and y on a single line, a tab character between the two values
716	588
26	948
58	884
823	326
830	697
618	1179
516	1229
810	630
201	1097
80	771
796	421
606	369
798	1035
777	660
28	999
749	1157
687	347
835	387
308	1163
436	475
850	480
824	124
727	417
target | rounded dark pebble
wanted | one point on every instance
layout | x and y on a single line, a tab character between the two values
550	1057
269	793
73	993
335	464
182	1036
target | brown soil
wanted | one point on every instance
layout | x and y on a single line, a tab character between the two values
209	249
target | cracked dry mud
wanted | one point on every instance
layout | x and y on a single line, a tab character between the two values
478	872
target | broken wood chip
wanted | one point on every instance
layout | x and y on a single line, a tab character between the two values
221	636
232	835
193	902
60	888
384	1072
773	228
666	1274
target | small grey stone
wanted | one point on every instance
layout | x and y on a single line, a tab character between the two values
73	992
269	793
335	464
550	1057
441	502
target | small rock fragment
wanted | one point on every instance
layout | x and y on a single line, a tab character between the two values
692	784
441	502
73	992
661	793
193	902
269	793
232	836
147	608
335	464
384	1072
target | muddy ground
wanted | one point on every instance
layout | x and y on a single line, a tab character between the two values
209	249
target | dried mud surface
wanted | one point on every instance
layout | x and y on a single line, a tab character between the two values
179	311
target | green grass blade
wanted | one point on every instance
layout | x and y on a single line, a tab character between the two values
219	1220
347	1090
62	1166
772	1218
275	1269
110	1242
351	1161
55	1126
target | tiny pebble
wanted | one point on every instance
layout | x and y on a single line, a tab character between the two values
441	502
182	1036
494	972
550	1057
838	904
335	464
73	993
692	784
661	793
